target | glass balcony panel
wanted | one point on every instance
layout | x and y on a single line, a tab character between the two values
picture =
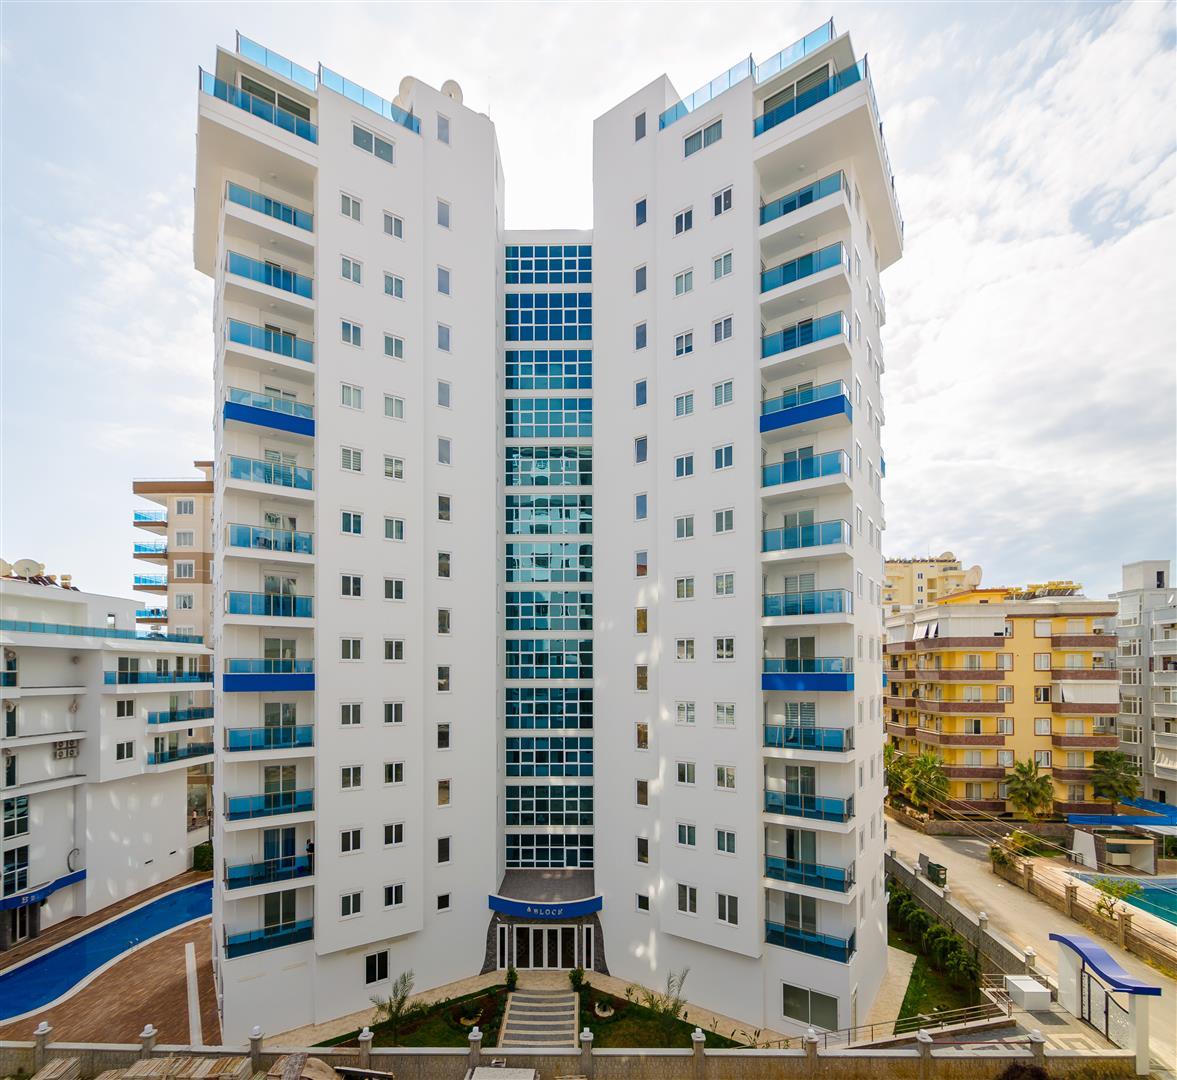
799	737
296	125
240	807
840	81
276	277
816	807
150	516
814	875
270	472
146	678
263	204
287	737
257	337
825	602
179	753
274	605
269	666
805	333
179	716
814	262
261	538
833	463
267	871
276	62
804	536
270	403
271	937
20	626
802	197
793	399
354	92
810	941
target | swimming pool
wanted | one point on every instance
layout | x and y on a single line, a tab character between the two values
45	978
1157	896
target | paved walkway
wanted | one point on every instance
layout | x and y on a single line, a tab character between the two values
893	989
540	1018
1028	921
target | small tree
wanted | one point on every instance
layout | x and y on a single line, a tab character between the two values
925	781
894	767
1115	776
395	1011
512	979
668	1007
1113	890
1031	793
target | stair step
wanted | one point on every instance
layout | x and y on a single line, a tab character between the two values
530	1038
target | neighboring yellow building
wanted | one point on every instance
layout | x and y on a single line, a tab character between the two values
914	583
991	676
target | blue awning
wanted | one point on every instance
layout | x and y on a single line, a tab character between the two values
544	909
1096	957
35	896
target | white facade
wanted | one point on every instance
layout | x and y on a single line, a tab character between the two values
1147	629
100	725
404	404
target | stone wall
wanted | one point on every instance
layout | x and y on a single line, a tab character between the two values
1047	830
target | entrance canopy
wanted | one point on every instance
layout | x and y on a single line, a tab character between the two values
1100	961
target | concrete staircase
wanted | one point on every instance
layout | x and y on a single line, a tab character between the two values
539	1017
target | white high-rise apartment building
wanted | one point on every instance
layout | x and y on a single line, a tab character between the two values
1147	629
502	681
100	724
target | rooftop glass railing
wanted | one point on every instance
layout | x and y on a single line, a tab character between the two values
792	399
827	946
267	871
181	716
150	516
832	463
150	581
815	807
815	39
272	937
22	626
269	666
805	266
802	197
801	737
263	204
147	678
270	472
287	737
264	110
150	547
178	753
821	602
805	332
354	92
839	81
807	665
270	403
256	337
239	807
805	536
276	277
274	605
260	538
815	875
277	63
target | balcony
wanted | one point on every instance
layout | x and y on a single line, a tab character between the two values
829	402
805	345
354	92
815	876
151	615
935	705
150	582
826	946
974	772
957	674
959	738
286	737
1090	741
267	871
822	275
271	937
264	410
148	519
8	678
816	673
179	753
798	737
1095	673
272	473
20	626
823	602
275	277
150	549
803	197
856	73
270	605
806	537
264	110
263	538
181	716
150	678
276	63
270	341
271	804
1073	775
900	730
254	675
263	204
810	807
835	463
1085	708
1083	641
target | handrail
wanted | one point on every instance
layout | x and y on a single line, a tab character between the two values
255	106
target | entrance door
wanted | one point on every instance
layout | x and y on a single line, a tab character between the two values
551	947
18	924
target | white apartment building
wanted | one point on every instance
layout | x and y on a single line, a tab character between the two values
498	689
1147	629
101	722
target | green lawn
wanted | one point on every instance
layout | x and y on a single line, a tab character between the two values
633	1025
928	991
441	1025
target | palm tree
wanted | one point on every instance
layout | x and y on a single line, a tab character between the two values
1114	776
1030	792
894	766
924	780
395	1010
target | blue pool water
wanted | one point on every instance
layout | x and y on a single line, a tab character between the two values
45	978
1157	896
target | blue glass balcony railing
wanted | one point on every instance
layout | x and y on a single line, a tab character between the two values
802	197
257	337
271	472
800	737
150	581
150	547
797	51
814	262
267	871
151	613
8	678
805	333
260	538
810	941
145	678
836	878
833	463
807	665
181	716
150	516
287	737
822	602
21	627
277	63
840	81
264	110
354	92
792	399
179	753
272	937
271	403
273	605
269	666
263	204
240	807
814	807
276	277
820	534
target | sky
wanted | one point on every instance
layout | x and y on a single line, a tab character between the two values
1031	386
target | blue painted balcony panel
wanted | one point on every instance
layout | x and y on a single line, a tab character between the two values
263	204
804	406
281	414
812	807
287	737
823	602
264	110
270	605
179	753
269	804
267	871
799	737
263	538
276	277
840	81
276	473
813	262
271	341
801	681
257	675
833	463
272	937
810	941
181	716
806	332
819	534
814	875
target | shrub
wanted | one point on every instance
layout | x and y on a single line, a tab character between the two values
917	923
1019	1071
512	979
576	978
999	857
202	856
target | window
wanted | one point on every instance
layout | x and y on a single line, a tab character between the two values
641	677
350	585
641	448
394	347
683	221
697	140
1041	695
640	507
639	212
643	901
684	712
394	772
351	333
443	337
722	393
684	343
641	735
725	648
185	506
1005	694
641	563
443	902
639	279
639	336
1042	661
443	678
684	465
724	521
686	834
684	648
444	394
444	508
351	397
184	571
351	521
642	792
684	527
394	286
727	909
125	707
185	538
351	459
809	1007
639	127
725	841
443	281
639	393
443	129
394	712
351	777
684	282
725	584
373	144
349	648
349	207
349	841
725	777
351	269
688	899
443	213
394	649
443	849
394	528
684	404
721	265
685	772
444	451
394	834
642	849
684	588
1042	725
124	751
394	467
722	329
1042	759
721	201
394	226
350	904
1042	628
349	714
723	457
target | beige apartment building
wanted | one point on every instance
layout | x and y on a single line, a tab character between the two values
914	583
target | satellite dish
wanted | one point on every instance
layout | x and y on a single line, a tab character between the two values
28	568
5	568
452	90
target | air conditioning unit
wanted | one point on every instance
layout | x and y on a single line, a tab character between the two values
72	752
59	754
